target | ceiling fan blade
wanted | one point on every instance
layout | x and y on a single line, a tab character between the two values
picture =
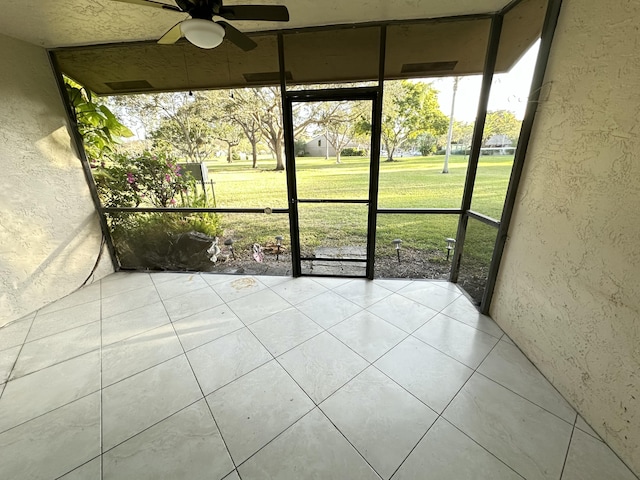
151	3
237	37
172	36
271	13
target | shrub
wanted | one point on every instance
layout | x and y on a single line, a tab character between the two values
152	179
352	152
165	241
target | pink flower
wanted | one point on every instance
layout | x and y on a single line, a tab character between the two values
131	178
173	201
167	177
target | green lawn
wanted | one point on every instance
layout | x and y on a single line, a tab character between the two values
409	182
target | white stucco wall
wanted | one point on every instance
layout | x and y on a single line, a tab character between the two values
49	230
568	291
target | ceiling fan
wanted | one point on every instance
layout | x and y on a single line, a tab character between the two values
203	31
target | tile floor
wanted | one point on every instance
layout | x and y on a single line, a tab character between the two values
188	376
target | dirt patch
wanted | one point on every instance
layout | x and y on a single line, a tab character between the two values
418	264
423	264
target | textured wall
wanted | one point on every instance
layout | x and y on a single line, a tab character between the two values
569	287
49	231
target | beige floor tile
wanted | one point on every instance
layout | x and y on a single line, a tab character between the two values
382	420
254	409
185	445
53	444
311	448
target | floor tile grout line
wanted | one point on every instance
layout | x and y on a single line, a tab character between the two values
367	306
449	355
215	339
454	397
393	325
439	310
200	386
93	350
529	400
317	404
15	361
349	442
80	466
471	326
566	455
142	371
415	446
575	427
344	319
151	426
483	447
139	307
438	415
293	307
289	349
306	299
128	290
64	308
255	293
550	383
360	355
101	391
405	389
196	289
47	412
467	380
23	318
273	439
61	331
458	392
293	379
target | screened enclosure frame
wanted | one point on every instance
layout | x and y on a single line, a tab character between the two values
375	94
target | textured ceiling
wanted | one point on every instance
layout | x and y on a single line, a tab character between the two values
56	23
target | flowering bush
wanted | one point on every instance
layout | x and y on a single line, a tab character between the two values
146	180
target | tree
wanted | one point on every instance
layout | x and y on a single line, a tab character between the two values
97	125
242	113
265	105
173	121
502	122
409	109
339	119
230	134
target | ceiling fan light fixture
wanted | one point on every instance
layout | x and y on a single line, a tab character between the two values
202	33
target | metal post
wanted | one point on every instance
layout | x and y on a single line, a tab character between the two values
213	194
289	152
374	171
546	40
476	143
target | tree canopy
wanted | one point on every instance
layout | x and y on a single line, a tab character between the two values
410	109
194	126
501	122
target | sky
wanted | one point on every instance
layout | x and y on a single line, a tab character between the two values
509	90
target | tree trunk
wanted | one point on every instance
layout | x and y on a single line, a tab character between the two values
338	157
445	167
279	159
229	157
279	154
254	153
326	146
